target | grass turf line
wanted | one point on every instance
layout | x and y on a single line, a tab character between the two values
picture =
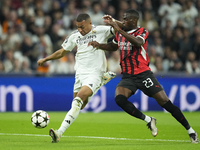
106	130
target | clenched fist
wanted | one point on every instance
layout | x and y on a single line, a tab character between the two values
40	62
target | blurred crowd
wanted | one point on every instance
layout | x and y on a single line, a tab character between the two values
33	29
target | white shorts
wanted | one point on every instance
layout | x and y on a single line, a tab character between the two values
94	82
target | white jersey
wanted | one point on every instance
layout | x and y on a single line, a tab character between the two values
89	59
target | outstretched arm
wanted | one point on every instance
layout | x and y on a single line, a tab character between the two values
108	47
117	26
110	18
56	55
136	41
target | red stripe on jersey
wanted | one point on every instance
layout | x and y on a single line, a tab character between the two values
122	54
133	60
128	61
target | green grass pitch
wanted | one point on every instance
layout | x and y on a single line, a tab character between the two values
97	131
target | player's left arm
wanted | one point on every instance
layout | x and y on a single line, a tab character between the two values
108	47
136	41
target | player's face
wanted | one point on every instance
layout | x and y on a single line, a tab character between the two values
128	22
84	27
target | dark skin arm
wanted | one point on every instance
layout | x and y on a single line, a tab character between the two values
109	18
117	25
136	41
108	47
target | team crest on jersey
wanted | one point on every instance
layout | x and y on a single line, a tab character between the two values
86	39
94	31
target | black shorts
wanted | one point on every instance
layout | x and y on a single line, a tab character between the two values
144	81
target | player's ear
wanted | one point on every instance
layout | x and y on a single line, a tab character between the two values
89	21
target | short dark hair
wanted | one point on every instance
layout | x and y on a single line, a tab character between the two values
133	12
82	17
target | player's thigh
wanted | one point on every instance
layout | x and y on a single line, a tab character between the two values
90	83
149	84
126	87
123	91
93	81
79	90
77	84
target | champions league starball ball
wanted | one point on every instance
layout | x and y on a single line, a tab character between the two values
40	119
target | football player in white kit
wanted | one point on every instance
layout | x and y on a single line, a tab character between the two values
90	66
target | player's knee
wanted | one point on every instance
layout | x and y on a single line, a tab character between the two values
77	102
120	99
171	107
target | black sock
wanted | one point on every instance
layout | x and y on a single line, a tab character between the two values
128	107
177	114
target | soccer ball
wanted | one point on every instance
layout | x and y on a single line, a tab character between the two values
40	119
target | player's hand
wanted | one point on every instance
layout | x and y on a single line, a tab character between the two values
110	21
95	44
40	62
114	25
107	17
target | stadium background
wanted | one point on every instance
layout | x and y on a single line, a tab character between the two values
32	29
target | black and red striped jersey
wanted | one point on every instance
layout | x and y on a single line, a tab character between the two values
133	60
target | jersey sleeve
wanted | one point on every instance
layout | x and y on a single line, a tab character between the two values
69	44
108	30
115	40
142	33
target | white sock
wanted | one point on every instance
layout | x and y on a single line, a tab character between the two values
147	119
190	130
71	115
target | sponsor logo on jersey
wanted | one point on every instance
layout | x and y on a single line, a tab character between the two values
86	39
126	45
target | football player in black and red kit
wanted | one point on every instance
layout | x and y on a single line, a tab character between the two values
131	41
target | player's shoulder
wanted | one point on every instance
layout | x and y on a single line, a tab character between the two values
102	27
74	33
141	28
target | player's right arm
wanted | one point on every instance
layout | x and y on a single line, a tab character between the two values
110	18
67	46
108	47
56	55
